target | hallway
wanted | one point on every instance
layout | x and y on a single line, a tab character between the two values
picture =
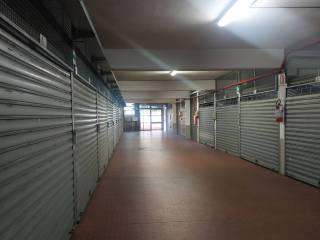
163	187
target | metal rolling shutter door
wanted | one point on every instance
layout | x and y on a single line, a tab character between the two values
36	168
117	123
110	128
118	114
103	134
194	130
260	133
86	144
120	122
114	117
206	125
303	138
228	129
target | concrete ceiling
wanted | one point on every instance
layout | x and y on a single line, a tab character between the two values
165	76
145	39
287	3
191	24
161	87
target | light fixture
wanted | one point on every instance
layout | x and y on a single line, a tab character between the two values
237	11
173	73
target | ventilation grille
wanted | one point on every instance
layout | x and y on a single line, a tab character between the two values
259	96
27	17
304	89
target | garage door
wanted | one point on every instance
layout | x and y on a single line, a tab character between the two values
85	116
36	167
206	125
194	128
115	127
227	126
303	138
110	128
259	132
118	124
102	134
121	121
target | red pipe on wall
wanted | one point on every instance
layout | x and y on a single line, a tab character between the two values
282	67
252	79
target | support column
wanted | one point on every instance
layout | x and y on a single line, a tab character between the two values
215	119
239	118
282	143
174	117
188	118
198	109
74	143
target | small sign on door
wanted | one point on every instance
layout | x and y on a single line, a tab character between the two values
43	40
282	79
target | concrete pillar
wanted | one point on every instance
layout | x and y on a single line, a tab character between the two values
174	117
188	118
198	129
282	143
215	119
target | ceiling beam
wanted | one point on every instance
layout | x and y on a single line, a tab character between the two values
155	95
177	85
188	60
153	100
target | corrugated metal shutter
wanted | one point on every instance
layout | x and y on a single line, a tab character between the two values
110	128
206	125
122	120
119	123
303	138
194	128
85	153
103	134
260	133
36	167
114	117
227	127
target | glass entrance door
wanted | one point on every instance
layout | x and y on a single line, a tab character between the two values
145	119
156	119
151	119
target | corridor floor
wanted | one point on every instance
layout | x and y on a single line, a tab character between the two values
163	187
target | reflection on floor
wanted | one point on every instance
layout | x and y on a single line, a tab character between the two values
163	187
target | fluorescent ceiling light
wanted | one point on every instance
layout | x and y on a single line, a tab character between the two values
238	10
173	73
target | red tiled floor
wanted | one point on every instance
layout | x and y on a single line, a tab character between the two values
163	187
